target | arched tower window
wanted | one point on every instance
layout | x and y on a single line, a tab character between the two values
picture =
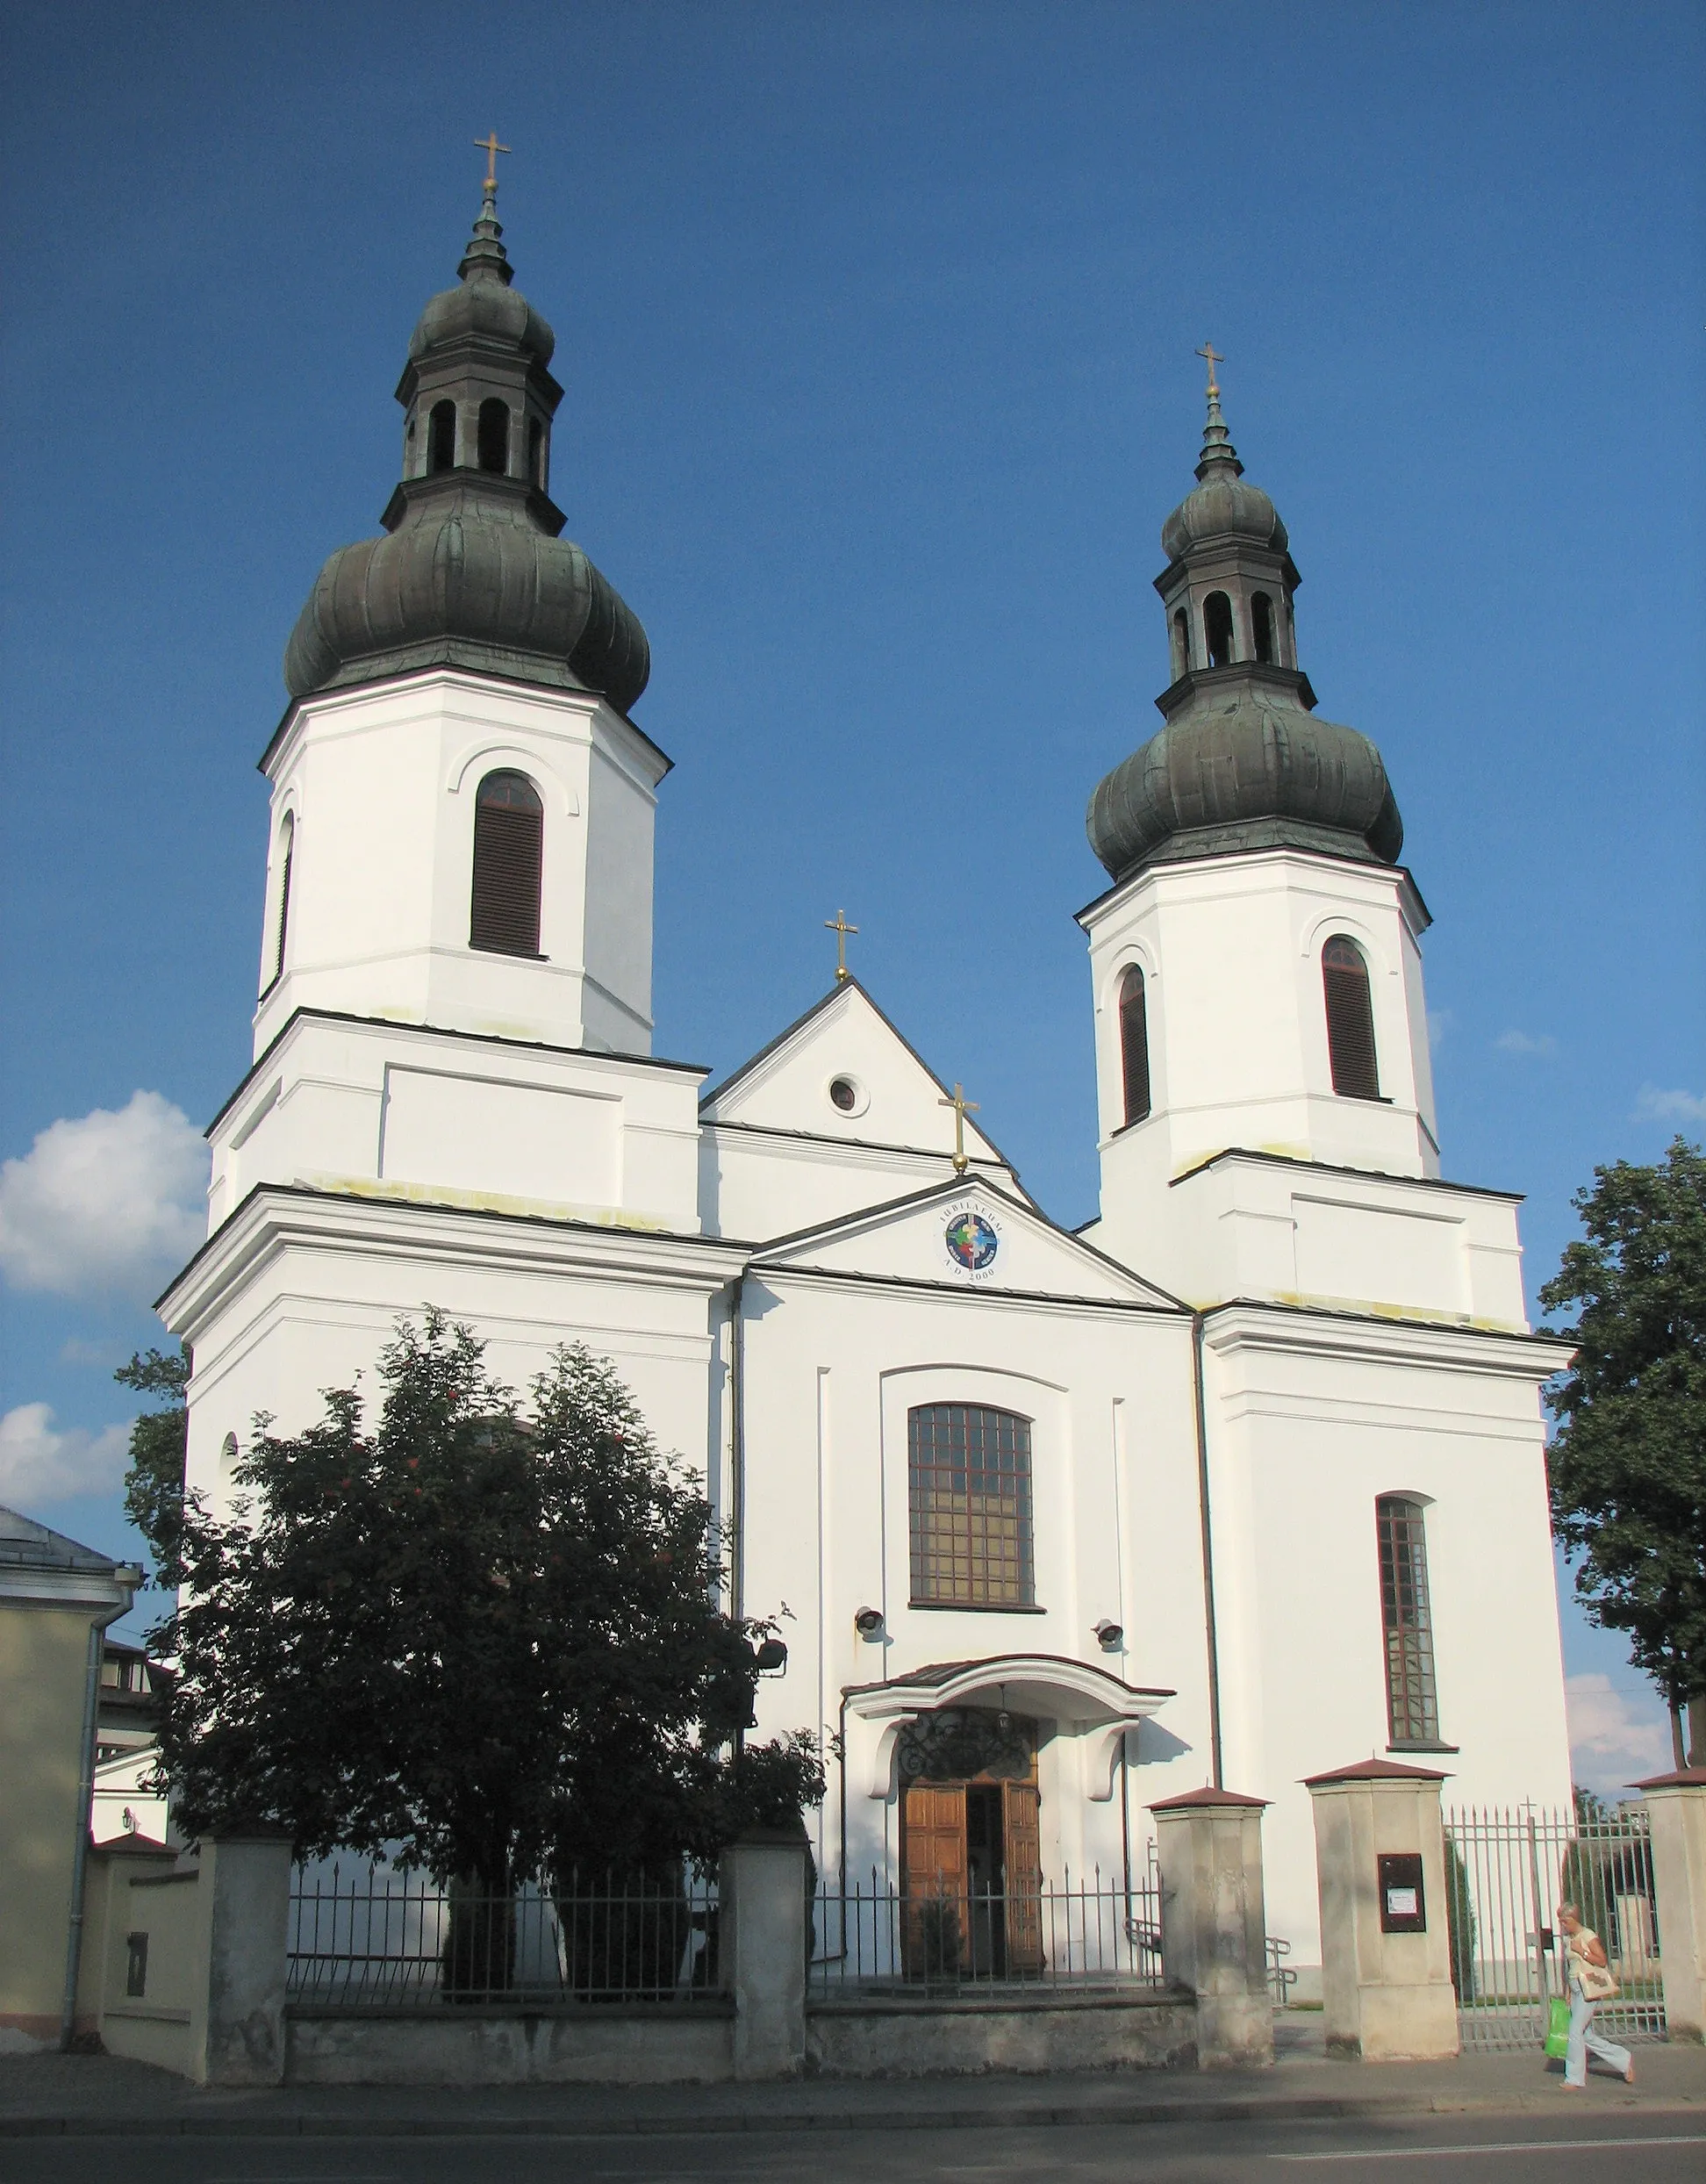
1217	628
494	436
287	851
1350	1020
509	837
1133	1045
1407	1621
1181	643
536	451
1261	618
441	437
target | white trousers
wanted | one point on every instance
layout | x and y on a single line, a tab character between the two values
1585	2041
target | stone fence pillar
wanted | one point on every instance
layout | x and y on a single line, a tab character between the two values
1386	1956
242	1920
1676	1813
761	1937
1213	1921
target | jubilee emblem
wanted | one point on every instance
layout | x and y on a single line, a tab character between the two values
972	1241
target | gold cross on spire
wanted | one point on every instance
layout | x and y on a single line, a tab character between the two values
491	146
962	1108
1214	357
839	926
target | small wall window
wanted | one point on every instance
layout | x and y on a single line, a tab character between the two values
536	451
1350	1020
969	1492
287	853
441	437
1217	628
494	436
1181	643
1412	1700
1133	1045
1261	623
136	1964
509	840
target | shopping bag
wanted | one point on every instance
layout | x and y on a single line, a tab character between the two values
1558	2026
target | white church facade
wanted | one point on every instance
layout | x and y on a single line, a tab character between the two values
1243	1481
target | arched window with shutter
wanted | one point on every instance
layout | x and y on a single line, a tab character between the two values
1350	1020
509	841
1133	1045
286	852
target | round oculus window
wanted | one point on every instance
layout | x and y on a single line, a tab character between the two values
844	1093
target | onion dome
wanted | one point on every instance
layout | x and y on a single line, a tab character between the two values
1242	762
472	572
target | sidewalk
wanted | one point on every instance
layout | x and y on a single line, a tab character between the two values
45	2095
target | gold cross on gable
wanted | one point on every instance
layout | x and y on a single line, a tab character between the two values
1214	357
839	926
491	146
962	1108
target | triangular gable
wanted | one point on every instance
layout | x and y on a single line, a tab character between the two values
786	1085
964	1234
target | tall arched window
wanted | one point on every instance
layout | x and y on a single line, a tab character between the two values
969	1488
441	437
1407	1621
1133	1045
509	835
1350	1020
287	851
494	436
1181	643
1261	621
1217	628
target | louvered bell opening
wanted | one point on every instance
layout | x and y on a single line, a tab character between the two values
509	828
1350	1021
1134	1045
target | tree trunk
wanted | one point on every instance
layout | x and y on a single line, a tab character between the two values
1698	1730
1679	1755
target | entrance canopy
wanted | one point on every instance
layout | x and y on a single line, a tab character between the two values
1076	1695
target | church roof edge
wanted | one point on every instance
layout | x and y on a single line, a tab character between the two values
1329	1167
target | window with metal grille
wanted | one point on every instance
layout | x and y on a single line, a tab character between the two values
969	1481
287	845
1412	1703
1133	1045
509	832
1350	1020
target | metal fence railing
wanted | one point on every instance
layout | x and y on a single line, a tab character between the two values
1086	1934
371	1939
1505	1871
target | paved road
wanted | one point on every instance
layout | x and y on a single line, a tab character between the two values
1578	2144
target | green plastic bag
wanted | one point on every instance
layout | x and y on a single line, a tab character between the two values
1558	2026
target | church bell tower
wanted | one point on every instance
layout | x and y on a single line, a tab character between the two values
1257	975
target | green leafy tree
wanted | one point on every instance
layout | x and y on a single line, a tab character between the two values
154	1485
486	1635
1628	1464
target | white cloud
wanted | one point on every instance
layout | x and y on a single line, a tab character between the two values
106	1202
38	1463
1515	1042
1614	1739
1670	1107
1439	1026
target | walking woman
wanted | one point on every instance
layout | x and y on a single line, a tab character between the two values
1591	1983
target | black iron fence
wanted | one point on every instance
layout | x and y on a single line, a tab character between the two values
367	1938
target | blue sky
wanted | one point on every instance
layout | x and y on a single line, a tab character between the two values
875	324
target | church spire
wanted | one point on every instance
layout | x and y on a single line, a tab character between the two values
1217	447
485	259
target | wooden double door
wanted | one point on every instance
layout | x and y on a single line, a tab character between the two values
972	1880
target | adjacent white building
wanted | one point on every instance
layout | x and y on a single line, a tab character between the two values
1243	1481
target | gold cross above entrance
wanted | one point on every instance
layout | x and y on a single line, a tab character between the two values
491	146
962	1108
839	926
1214	357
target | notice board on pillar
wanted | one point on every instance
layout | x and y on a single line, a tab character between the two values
1402	1907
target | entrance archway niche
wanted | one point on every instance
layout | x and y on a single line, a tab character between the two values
971	1845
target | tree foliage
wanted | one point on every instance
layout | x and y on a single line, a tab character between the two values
486	1635
159	1442
1628	1464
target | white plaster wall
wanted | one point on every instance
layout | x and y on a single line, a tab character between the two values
410	1112
1308	1422
757	1182
380	784
831	1369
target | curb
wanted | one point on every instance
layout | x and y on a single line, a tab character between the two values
1326	2109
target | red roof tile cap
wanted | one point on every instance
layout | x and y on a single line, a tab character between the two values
1212	1799
1374	1770
1679	1779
